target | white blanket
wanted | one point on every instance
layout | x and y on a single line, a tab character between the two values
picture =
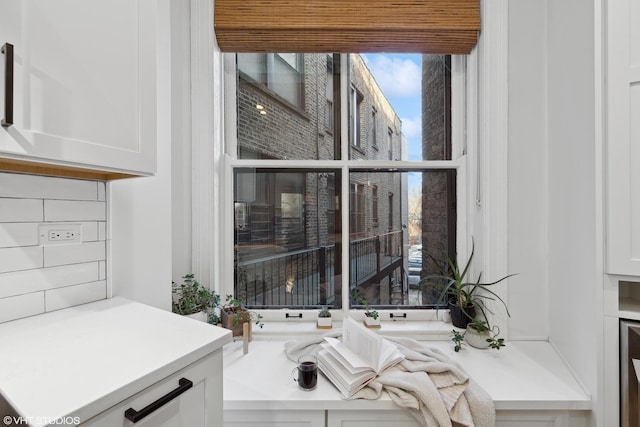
434	388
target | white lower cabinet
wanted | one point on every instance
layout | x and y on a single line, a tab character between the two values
371	419
533	419
274	418
391	418
190	397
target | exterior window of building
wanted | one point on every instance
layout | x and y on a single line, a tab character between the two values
297	220
281	73
329	93
373	139
374	206
356	211
391	209
355	103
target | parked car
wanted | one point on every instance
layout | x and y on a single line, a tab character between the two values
415	267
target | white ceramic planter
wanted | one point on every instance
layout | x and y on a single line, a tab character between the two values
201	316
476	339
371	322
324	323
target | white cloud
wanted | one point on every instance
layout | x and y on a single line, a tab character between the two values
398	77
412	128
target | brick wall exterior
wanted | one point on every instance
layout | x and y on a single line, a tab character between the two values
437	191
294	132
282	130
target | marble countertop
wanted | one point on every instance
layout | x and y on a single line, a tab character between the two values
81	361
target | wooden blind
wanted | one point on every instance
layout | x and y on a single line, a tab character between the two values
344	26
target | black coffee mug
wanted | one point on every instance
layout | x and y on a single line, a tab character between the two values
307	372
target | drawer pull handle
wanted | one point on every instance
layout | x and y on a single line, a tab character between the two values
7	50
135	416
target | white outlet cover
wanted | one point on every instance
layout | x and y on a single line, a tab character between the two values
45	229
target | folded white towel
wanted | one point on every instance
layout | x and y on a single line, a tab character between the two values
436	390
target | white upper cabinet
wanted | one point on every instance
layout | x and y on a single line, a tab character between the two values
84	83
623	137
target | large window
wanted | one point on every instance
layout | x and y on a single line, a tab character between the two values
321	205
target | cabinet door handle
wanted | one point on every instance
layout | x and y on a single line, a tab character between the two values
7	50
135	416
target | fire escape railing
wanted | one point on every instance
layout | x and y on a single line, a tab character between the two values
307	277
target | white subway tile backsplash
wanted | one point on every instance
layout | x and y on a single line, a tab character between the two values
57	299
45	187
21	210
21	306
102	191
35	279
20	258
89	231
18	234
102	230
40	279
102	270
68	210
72	254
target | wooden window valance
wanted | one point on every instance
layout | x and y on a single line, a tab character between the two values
344	26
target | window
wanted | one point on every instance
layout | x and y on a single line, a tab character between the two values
373	139
374	206
329	88
355	101
297	185
279	72
356	209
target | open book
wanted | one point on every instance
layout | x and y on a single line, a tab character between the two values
359	358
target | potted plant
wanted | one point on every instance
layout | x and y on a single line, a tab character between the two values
371	317
324	318
463	296
479	335
192	299
234	315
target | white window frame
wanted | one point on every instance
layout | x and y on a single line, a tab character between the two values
481	165
458	82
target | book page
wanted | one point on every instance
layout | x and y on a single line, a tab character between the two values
363	342
347	357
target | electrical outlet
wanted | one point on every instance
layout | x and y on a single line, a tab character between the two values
59	234
66	234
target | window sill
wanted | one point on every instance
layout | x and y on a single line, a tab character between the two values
417	329
524	376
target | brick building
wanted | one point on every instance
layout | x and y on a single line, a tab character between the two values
285	220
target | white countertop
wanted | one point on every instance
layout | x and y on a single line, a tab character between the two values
81	361
525	375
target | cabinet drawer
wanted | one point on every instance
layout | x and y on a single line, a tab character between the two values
274	418
383	418
199	405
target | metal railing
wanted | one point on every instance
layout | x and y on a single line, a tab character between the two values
307	277
300	278
371	255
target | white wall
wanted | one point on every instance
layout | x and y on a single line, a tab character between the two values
140	236
181	176
574	261
554	180
528	170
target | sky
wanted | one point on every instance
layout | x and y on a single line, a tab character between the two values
400	78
